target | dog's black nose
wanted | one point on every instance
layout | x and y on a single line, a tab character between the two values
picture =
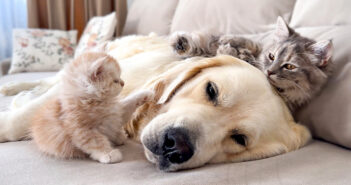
177	147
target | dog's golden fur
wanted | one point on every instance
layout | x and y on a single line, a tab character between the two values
249	104
246	104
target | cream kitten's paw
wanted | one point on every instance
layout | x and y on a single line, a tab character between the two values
180	42
112	157
145	96
142	96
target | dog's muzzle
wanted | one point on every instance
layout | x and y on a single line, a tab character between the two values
173	147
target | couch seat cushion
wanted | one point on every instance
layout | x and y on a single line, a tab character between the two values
317	163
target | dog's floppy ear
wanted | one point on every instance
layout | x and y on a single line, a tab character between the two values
167	84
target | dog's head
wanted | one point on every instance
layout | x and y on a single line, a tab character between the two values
218	110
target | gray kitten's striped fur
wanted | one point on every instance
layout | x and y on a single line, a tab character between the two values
296	66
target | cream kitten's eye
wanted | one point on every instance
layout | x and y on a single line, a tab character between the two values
271	56
115	81
289	66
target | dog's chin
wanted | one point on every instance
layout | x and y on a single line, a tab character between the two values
161	162
164	165
150	156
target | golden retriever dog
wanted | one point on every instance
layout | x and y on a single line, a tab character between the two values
206	110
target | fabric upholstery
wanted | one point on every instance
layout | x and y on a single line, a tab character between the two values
321	13
150	16
329	115
317	163
228	16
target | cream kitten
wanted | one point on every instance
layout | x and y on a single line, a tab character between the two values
86	116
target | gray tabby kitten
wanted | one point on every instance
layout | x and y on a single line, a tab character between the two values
296	66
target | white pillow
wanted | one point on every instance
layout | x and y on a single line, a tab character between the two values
41	50
97	31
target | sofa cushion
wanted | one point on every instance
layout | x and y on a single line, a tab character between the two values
41	50
321	13
328	115
146	16
317	163
98	30
229	16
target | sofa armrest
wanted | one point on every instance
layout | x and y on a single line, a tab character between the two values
5	66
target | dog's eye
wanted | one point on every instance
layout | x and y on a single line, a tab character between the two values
241	139
211	91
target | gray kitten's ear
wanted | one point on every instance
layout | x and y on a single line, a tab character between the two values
324	50
282	30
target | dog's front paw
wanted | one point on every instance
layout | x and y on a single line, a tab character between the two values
180	42
10	89
113	156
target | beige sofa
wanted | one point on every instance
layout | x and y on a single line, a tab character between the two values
328	116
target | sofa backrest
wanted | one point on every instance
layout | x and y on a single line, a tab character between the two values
219	16
321	13
228	16
145	16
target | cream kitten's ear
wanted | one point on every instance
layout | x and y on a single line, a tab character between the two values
97	69
282	30
324	50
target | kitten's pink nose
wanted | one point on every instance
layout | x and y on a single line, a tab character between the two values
121	82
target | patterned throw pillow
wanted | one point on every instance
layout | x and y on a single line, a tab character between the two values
41	50
97	31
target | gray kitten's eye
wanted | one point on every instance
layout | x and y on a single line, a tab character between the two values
289	66
271	56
